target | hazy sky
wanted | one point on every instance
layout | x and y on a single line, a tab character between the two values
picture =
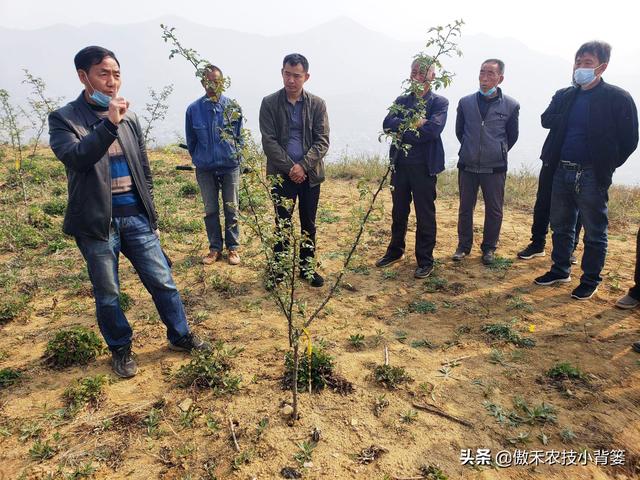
556	26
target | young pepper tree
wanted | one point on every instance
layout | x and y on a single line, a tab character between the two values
256	186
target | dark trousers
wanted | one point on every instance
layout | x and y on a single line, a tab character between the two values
492	185
578	191
413	182
635	290
307	198
542	210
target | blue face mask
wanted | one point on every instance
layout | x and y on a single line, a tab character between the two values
488	93
101	99
584	76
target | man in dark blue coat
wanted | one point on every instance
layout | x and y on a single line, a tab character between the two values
416	168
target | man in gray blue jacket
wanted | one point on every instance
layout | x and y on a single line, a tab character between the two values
213	130
487	128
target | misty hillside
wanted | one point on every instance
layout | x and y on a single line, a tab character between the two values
358	71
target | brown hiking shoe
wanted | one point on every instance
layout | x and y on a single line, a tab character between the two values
233	258
212	257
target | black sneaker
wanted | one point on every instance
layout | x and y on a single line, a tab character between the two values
584	291
314	279
488	257
189	343
636	347
531	251
123	363
459	255
387	260
550	278
423	272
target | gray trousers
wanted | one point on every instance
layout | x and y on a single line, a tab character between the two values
492	185
211	186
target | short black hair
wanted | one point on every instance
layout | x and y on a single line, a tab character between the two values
93	55
212	68
294	59
602	50
498	62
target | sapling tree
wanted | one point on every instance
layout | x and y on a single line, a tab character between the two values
282	266
12	128
40	104
155	110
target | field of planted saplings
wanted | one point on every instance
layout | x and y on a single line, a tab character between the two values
473	372
406	376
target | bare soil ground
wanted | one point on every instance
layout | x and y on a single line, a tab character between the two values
455	365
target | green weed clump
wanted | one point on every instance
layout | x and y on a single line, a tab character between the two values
391	377
188	189
317	370
432	472
422	306
211	370
505	332
55	207
73	346
11	307
86	391
564	371
8	377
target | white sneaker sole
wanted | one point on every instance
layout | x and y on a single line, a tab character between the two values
584	298
553	282
533	255
390	263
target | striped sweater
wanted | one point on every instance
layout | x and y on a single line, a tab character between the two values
125	201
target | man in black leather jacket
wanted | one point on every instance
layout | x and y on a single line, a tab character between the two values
593	129
110	207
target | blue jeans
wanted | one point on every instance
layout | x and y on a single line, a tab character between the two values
573	192
211	184
133	237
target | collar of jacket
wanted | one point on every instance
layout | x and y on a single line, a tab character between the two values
86	112
282	97
500	96
222	101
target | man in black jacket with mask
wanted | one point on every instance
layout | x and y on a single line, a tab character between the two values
110	207
593	130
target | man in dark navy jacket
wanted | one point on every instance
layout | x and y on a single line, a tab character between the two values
416	168
593	130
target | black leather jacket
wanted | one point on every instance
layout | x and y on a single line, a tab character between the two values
612	128
81	141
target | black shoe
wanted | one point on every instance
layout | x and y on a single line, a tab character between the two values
573	259
584	291
189	343
550	278
531	251
387	260
123	363
423	272
488	257
314	279
459	255
636	347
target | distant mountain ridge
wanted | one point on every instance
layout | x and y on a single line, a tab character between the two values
358	72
